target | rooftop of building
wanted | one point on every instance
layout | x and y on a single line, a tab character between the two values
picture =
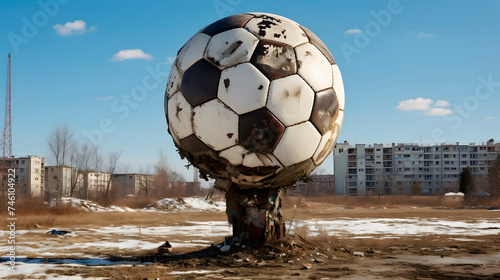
490	142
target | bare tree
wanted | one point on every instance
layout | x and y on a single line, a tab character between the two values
145	182
113	159
466	182
494	177
81	158
60	142
98	162
416	188
161	176
175	183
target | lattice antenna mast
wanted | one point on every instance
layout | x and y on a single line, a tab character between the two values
7	128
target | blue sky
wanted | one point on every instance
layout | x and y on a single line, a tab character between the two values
413	70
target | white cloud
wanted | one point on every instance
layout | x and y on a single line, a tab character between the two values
442	103
489	118
425	35
438	112
169	60
426	105
111	97
417	104
131	54
76	27
353	31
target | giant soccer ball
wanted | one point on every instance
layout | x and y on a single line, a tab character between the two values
254	100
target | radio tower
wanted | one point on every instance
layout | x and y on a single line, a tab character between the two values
7	128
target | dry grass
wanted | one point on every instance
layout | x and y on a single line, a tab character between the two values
134	202
379	201
30	212
99	219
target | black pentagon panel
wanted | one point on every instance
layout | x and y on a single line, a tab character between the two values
257	171
318	44
259	131
227	23
325	110
275	60
202	156
200	82
194	146
266	22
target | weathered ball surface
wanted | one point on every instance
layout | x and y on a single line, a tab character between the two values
254	100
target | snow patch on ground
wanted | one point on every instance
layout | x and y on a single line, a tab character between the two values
396	227
36	270
186	204
166	204
88	205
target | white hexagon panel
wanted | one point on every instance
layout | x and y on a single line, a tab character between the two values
314	67
180	115
290	99
238	155
231	47
234	154
192	51
338	86
174	81
303	135
328	141
216	125
258	159
243	88
276	28
175	137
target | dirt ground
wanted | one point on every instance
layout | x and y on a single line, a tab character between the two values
330	258
299	256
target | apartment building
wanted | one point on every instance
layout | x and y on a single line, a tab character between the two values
95	183
66	181
320	185
131	183
29	174
393	169
60	180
